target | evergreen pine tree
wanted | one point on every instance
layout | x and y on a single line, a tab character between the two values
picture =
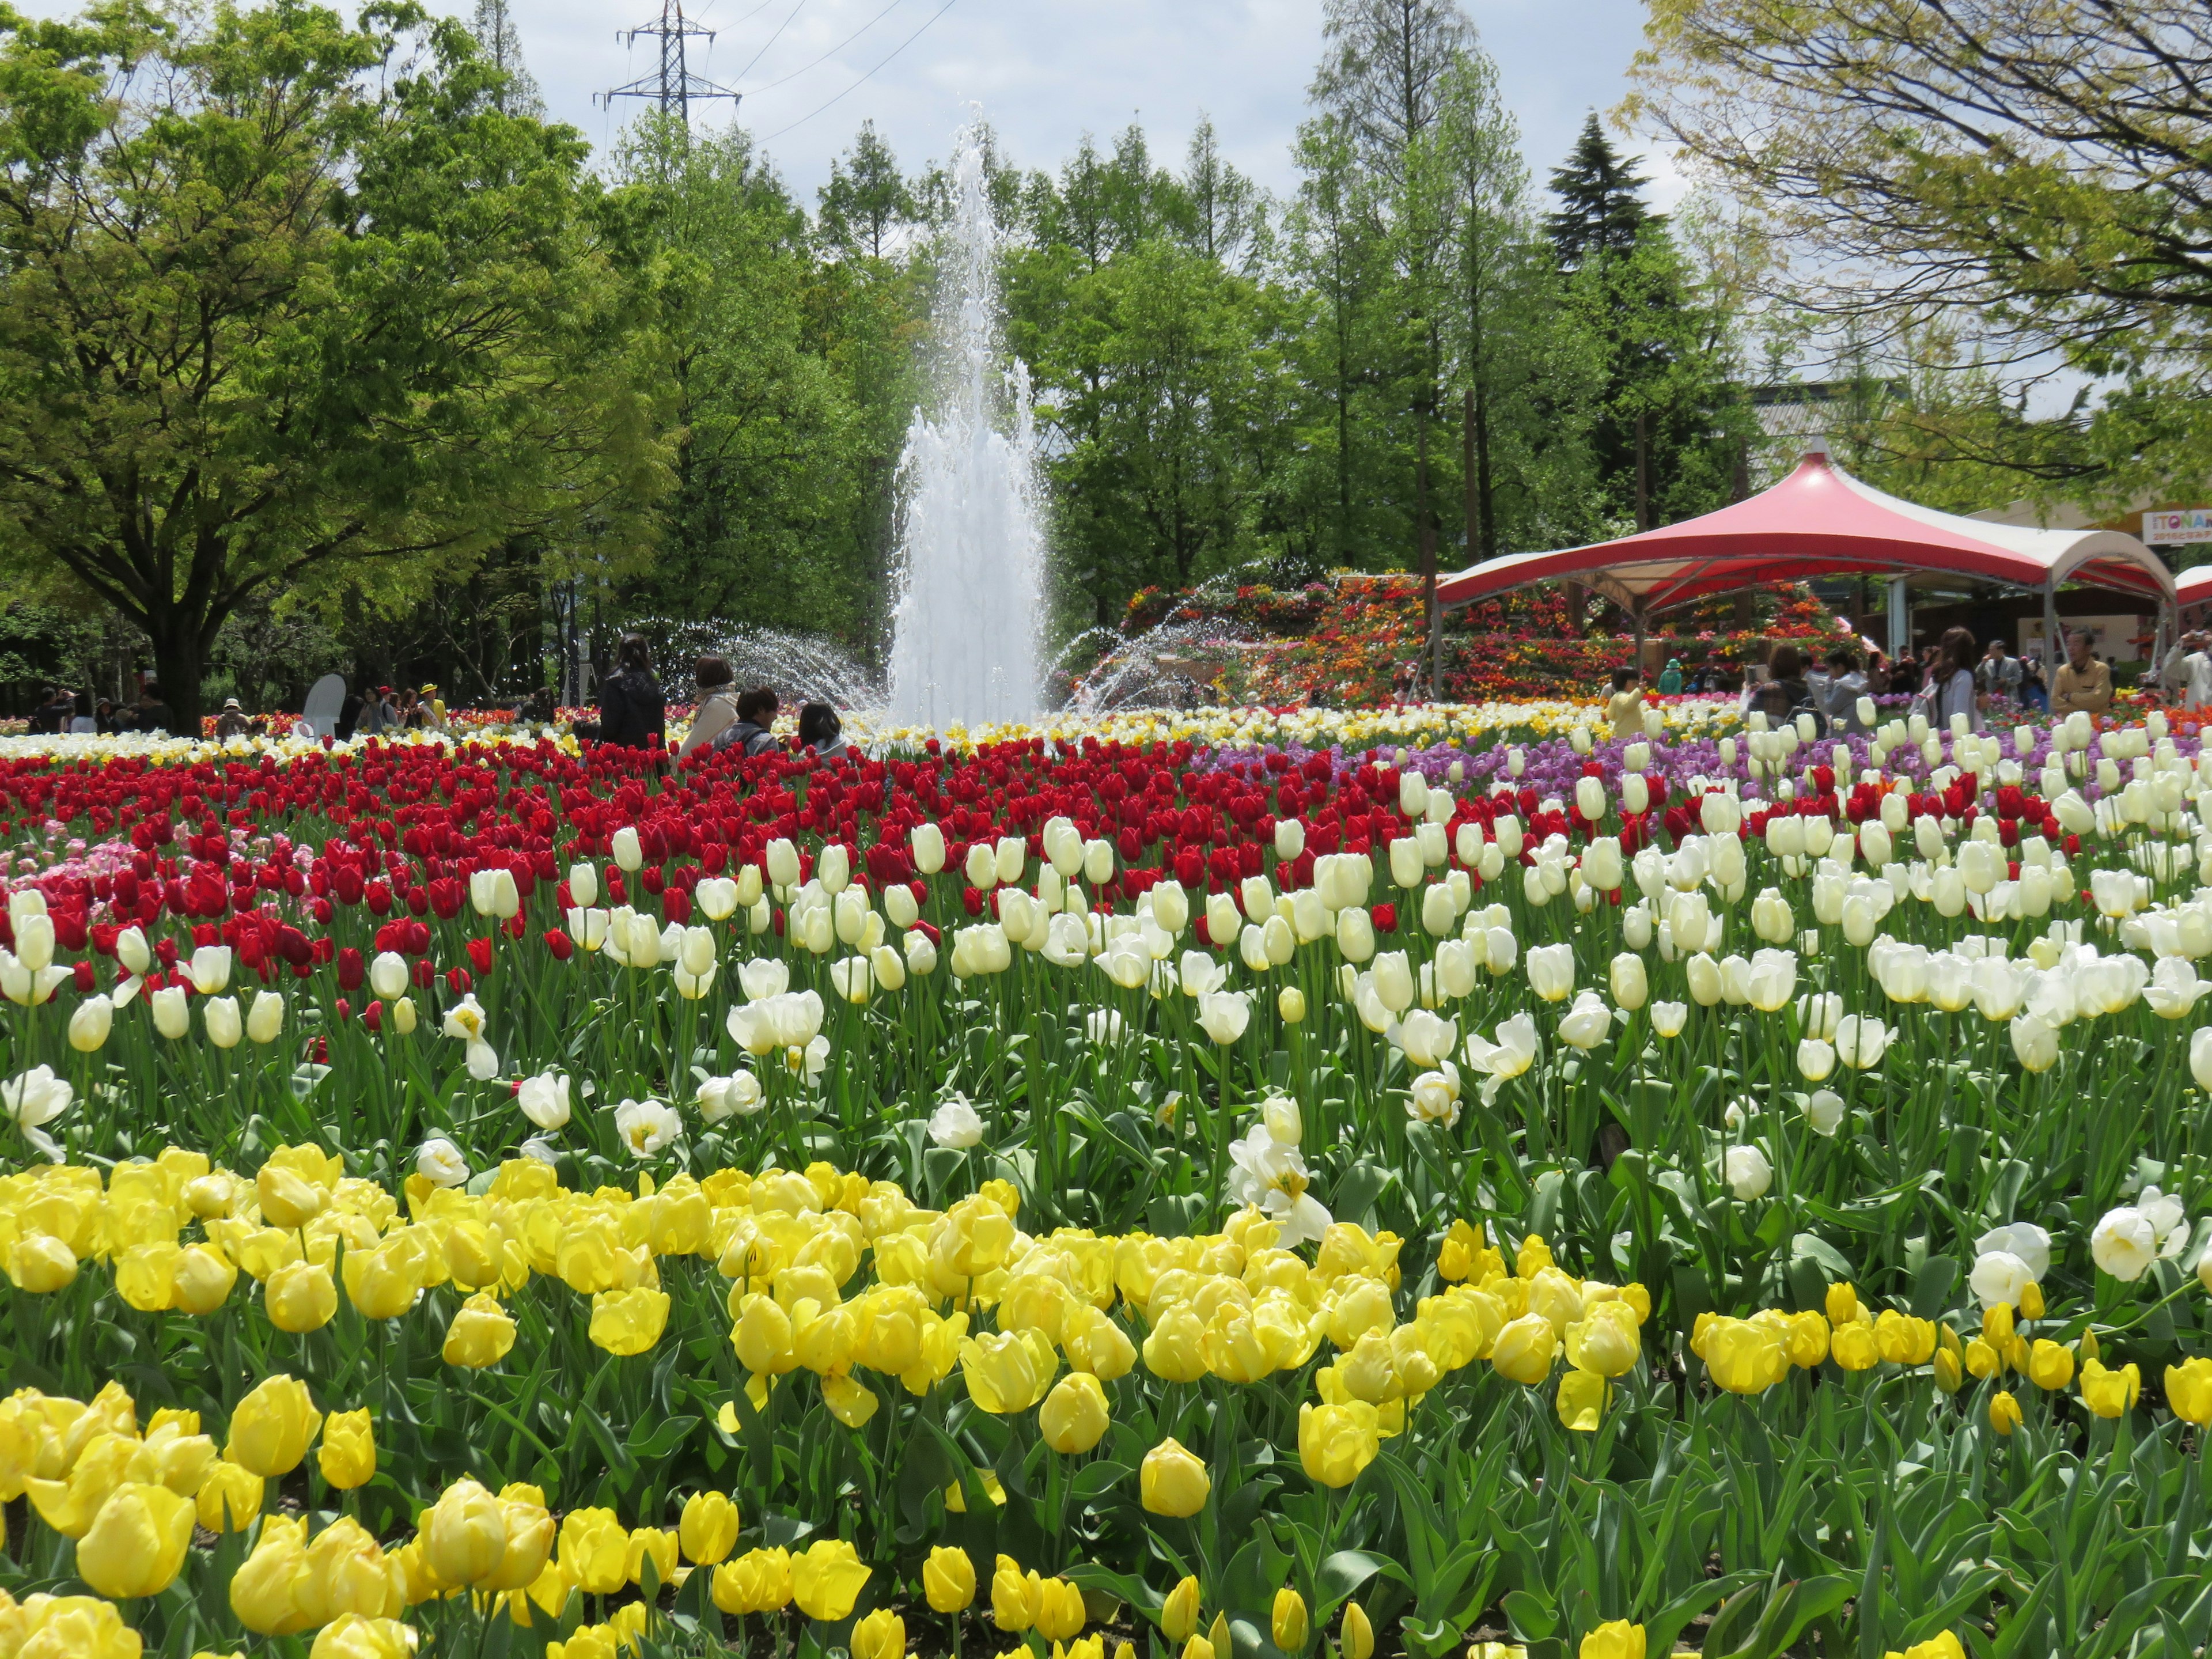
1601	200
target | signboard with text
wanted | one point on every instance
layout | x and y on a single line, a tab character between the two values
2178	526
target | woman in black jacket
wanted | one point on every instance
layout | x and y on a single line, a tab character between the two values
632	710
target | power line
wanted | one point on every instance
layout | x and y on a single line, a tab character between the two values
833	50
772	40
869	76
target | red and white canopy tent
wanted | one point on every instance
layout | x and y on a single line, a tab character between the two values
1821	522
2193	586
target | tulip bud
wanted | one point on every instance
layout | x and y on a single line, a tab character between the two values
1289	1626
388	975
89	1024
133	950
224	1024
265	1019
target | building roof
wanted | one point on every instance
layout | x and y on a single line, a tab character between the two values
1821	521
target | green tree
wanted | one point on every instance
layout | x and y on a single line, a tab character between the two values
2030	175
1668	434
293	308
1382	80
759	528
865	203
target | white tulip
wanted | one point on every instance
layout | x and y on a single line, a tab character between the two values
544	1100
1223	1015
264	1018
629	852
1587	1024
583	885
1631	986
90	1023
926	842
1552	971
1823	1112
1748	1172
224	1024
37	1097
921	952
781	860
956	1125
438	1161
1860	1039
133	950
1290	838
647	1126
2124	1243
1355	933
834	869
209	968
1815	1059
1668	1018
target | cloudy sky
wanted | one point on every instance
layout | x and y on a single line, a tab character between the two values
1047	72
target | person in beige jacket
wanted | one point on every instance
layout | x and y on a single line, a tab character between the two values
2082	682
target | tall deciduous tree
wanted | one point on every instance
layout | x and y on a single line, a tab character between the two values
1382	80
2033	173
292	307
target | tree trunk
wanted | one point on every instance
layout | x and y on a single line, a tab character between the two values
1643	477
1428	544
179	660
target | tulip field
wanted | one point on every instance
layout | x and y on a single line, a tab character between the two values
1215	1187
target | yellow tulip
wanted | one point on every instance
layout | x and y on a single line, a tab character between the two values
1943	1645
761	1336
40	1264
2109	1393
1008	1372
827	1579
1171	1481
289	1199
948	1580
1460	1254
71	1627
594	1551
272	1427
269	1593
2189	1390
353	1637
1855	1347
1525	1349
757	1581
1014	1595
529	1537
2049	1365
2004	1412
1615	1639
654	1548
200	1279
382	1280
1074	1418
1842	1304
1335	1442
347	1457
1355	1636
1605	1340
1581	1400
300	1297
465	1534
2030	1301
626	1322
346	1570
229	1498
137	1544
1175	1348
1060	1610
881	1635
708	1529
1289	1626
1745	1356
1179	1612
480	1333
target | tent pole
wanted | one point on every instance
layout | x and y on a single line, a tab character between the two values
2054	648
1639	639
1900	619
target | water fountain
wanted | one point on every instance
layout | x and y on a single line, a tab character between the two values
971	543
